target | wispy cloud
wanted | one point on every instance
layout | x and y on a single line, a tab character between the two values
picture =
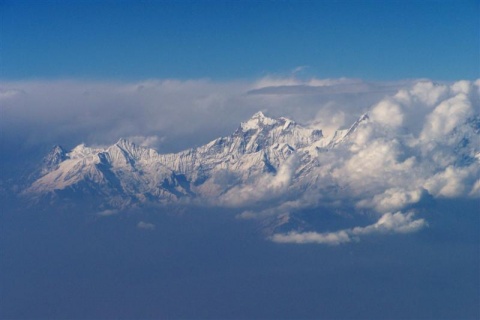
389	223
267	188
179	113
320	87
108	212
145	225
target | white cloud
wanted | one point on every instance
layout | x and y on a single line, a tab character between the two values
392	223
453	182
392	199
446	116
475	192
299	69
387	166
149	142
428	93
268	187
108	212
292	85
331	238
270	81
184	113
68	112
388	113
9	93
420	141
330	118
145	225
389	223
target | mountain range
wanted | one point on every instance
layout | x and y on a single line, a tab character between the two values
268	168
126	174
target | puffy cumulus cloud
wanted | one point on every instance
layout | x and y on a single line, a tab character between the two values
447	116
426	93
388	113
266	188
387	166
145	225
330	118
462	86
384	165
454	182
411	107
392	199
392	223
423	141
388	223
327	103
379	164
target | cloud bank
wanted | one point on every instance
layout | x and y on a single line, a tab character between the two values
168	114
421	142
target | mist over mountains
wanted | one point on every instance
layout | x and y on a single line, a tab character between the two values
421	143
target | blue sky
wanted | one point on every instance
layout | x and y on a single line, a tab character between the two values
377	40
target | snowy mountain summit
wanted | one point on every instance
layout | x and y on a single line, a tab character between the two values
125	174
274	167
398	155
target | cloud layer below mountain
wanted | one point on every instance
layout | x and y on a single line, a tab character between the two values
422	139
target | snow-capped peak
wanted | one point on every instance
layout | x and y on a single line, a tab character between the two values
255	153
123	142
53	159
257	120
127	146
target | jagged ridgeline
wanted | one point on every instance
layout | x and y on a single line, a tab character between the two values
126	174
268	163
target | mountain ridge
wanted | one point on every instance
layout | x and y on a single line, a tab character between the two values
269	168
138	174
272	170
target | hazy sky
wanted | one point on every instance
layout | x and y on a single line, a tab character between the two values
131	40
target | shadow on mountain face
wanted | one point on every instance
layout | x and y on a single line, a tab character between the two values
206	264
